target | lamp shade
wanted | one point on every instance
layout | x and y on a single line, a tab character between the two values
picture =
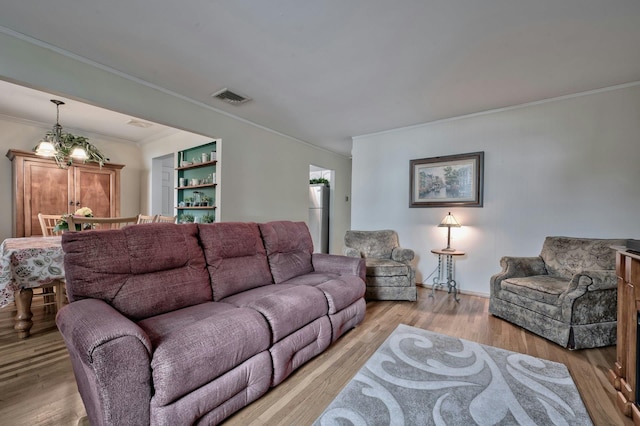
46	149
449	221
78	153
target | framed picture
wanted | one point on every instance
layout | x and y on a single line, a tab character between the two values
449	181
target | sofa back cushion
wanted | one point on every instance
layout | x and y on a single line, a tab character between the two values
289	248
140	270
236	258
566	256
377	244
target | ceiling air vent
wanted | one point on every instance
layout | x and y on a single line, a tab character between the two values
230	97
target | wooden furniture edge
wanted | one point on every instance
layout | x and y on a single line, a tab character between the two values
12	153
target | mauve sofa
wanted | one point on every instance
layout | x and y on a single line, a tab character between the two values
185	324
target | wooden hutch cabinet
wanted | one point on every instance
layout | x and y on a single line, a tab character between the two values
40	186
624	374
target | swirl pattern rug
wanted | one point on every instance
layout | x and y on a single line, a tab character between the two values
418	377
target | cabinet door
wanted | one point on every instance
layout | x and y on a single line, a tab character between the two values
97	188
48	189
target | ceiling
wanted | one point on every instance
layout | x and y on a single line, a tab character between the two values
76	117
325	71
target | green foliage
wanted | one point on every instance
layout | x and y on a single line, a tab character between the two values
186	218
319	180
66	145
207	218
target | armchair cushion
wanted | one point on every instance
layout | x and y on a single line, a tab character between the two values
565	257
543	288
377	244
385	268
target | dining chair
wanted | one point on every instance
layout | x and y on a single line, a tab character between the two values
165	219
146	219
54	292
47	223
101	223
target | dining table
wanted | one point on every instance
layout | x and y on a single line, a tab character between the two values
28	263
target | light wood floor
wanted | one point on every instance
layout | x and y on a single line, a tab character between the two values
37	385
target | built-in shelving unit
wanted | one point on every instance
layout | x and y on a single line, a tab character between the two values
196	183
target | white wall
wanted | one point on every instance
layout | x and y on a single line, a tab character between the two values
264	175
570	167
24	135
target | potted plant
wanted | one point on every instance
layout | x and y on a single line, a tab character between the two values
207	218
186	218
319	180
205	201
188	201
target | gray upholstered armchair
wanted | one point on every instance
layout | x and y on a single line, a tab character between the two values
567	294
389	272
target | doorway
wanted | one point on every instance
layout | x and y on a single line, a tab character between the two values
162	185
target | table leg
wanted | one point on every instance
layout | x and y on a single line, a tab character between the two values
23	298
437	280
451	283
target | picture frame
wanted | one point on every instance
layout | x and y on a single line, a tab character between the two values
447	181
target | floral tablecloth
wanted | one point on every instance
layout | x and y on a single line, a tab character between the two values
28	263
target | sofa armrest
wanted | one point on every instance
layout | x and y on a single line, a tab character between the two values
351	252
402	255
111	356
513	267
342	265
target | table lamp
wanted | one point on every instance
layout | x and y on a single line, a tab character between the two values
449	222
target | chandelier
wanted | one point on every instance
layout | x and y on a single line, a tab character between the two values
65	147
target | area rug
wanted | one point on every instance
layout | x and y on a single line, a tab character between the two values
418	377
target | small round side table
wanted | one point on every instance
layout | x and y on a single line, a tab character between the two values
446	256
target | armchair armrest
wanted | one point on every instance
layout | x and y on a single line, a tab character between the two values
592	280
403	255
342	265
602	279
585	287
351	252
110	355
513	267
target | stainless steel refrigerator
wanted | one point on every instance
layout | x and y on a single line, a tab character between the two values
319	217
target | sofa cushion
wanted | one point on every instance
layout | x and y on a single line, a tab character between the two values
313	278
289	247
566	256
339	290
213	402
159	326
385	268
287	308
135	270
187	358
236	258
342	292
543	288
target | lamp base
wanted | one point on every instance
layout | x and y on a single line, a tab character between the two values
448	249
